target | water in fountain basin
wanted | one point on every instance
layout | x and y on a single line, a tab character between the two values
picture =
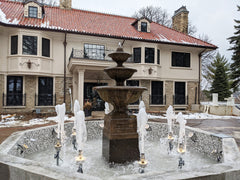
156	154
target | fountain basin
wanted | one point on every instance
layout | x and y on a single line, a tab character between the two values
41	140
119	56
120	74
120	96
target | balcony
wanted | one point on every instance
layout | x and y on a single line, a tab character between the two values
45	99
95	60
23	64
180	100
14	99
157	99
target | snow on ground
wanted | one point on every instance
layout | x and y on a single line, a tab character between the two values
196	116
14	121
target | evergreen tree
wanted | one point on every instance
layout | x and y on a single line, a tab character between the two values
218	71
235	66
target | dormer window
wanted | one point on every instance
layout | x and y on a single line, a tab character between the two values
32	12
33	9
144	26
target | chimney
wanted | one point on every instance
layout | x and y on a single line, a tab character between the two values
65	4
180	20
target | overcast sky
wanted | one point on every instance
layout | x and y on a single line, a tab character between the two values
214	18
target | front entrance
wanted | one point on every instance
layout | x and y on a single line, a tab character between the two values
92	96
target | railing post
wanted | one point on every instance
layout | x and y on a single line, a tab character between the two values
24	99
55	100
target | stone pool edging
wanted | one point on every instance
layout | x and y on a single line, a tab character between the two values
205	142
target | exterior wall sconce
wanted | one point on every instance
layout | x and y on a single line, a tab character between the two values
29	64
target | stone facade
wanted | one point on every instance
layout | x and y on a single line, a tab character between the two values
169	92
145	95
59	86
66	4
192	89
180	20
30	90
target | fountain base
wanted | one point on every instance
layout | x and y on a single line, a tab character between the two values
120	139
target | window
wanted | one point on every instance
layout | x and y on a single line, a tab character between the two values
149	55
180	97
14	91
29	45
93	51
157	92
45	47
132	83
14	44
32	12
180	59
45	91
158	56
143	26
137	55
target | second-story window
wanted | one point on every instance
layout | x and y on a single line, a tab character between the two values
143	26
29	45
32	12
93	51
137	55
45	47
158	56
180	59
149	55
14	44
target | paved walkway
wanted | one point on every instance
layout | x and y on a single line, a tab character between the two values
229	127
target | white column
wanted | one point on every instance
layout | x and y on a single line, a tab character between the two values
81	88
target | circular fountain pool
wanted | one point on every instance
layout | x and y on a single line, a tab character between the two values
156	155
38	162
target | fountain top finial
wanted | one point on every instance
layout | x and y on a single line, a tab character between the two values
120	44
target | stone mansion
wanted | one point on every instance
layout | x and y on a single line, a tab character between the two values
50	55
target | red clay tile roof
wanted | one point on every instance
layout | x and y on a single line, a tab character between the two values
92	23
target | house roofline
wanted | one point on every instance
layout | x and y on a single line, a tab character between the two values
107	36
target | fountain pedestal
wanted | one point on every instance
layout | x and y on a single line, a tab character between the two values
120	137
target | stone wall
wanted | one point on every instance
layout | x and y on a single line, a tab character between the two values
30	90
192	92
169	92
59	85
145	94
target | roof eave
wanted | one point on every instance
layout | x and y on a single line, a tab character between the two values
107	36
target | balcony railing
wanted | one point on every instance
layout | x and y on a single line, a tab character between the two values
14	99
80	54
157	99
45	99
180	99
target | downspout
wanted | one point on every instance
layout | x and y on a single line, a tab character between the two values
199	73
64	76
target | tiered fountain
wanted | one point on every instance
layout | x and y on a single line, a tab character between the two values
120	137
